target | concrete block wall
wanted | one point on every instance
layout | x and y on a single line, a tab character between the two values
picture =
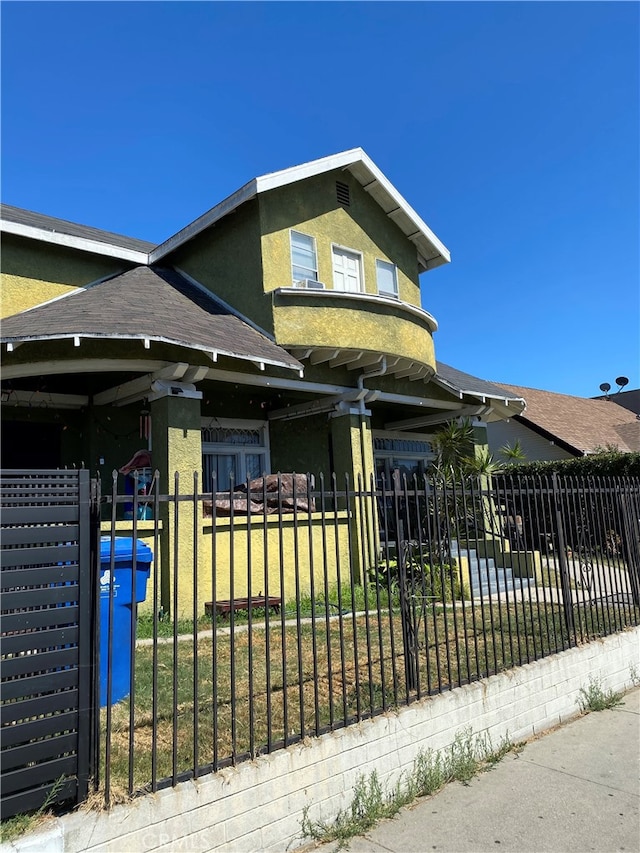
259	805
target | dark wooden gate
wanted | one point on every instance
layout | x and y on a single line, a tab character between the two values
48	574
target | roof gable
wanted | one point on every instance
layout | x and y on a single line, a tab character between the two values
431	252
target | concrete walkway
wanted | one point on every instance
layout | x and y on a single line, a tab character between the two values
574	789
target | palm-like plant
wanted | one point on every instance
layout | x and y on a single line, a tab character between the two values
513	452
460	463
454	448
456	455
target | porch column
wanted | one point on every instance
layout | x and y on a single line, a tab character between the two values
176	436
352	446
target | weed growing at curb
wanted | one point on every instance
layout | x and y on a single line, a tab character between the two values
18	825
595	698
462	760
634	675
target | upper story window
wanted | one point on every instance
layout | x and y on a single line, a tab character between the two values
304	261
347	268
387	275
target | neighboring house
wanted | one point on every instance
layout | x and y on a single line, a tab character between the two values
627	399
280	331
558	426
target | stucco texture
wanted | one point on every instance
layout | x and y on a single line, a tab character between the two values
226	259
348	324
312	209
31	277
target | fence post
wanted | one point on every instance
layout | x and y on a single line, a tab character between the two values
406	610
94	514
567	598
631	539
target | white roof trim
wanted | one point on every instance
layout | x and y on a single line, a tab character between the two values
419	233
216	351
513	402
365	171
84	244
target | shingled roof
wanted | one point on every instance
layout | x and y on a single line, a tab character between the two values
27	223
465	383
152	304
580	423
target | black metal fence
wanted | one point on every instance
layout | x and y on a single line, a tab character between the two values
290	607
47	633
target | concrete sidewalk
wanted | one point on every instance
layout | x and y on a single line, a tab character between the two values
574	789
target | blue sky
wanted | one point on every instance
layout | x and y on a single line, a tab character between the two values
512	128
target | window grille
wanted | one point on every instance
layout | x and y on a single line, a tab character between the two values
231	435
400	445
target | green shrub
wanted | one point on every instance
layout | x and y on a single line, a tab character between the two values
606	463
439	582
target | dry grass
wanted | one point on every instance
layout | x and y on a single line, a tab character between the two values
261	689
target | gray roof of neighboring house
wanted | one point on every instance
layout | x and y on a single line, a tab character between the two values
147	303
582	423
61	226
627	399
465	383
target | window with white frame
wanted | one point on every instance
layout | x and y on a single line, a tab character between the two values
233	451
304	262
387	275
347	266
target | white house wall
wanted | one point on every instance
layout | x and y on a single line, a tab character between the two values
534	446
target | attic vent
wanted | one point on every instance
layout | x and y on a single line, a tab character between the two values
343	193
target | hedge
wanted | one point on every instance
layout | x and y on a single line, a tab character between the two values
609	463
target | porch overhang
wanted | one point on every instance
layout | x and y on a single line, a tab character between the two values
148	306
499	403
359	360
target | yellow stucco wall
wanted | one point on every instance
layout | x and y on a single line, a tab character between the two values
362	227
226	259
34	272
304	537
235	562
309	321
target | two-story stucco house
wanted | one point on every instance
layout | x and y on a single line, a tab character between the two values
281	331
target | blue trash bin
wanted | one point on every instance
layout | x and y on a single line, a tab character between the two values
122	605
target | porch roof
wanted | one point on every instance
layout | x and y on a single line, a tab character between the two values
510	402
148	304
